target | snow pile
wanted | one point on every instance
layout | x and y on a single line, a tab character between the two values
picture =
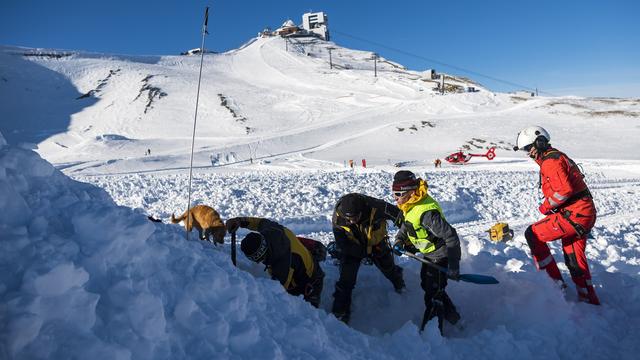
82	277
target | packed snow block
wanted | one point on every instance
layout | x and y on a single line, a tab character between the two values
146	313
11	199
55	298
244	337
14	187
43	286
38	226
58	280
191	315
104	230
3	142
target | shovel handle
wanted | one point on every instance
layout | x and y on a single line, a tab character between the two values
233	248
470	278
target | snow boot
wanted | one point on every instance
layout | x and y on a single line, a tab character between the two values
552	269
452	316
341	308
588	295
561	285
435	309
398	284
344	317
450	312
397	279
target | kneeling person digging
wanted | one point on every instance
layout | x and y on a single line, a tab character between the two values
286	258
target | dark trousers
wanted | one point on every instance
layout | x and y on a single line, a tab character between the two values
313	289
349	266
437	301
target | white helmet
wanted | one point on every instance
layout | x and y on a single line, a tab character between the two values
529	136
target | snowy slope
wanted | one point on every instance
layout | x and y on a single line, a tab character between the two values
261	101
84	273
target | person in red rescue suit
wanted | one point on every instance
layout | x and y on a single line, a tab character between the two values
426	231
569	212
360	230
286	258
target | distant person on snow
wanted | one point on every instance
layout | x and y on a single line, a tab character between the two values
569	209
360	230
286	258
425	230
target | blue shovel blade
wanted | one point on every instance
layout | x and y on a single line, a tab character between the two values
478	279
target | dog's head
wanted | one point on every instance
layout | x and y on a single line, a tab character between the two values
218	234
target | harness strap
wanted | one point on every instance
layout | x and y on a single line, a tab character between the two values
584	194
580	230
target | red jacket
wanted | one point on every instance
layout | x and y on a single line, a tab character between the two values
563	186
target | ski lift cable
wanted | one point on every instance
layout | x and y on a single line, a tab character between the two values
510	83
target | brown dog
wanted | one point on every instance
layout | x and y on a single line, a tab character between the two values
206	220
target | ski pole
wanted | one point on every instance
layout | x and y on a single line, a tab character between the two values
233	248
471	278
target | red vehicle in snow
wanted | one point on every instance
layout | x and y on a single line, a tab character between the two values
462	158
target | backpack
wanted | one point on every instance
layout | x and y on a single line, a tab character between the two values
316	248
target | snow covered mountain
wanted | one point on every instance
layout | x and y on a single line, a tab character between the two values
261	101
85	274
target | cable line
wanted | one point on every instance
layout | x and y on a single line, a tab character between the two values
515	85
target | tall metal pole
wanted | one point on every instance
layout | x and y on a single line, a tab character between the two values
375	65
195	117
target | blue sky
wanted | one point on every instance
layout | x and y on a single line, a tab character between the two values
588	47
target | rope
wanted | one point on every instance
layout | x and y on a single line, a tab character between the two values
195	117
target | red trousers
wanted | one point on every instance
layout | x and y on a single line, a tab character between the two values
574	239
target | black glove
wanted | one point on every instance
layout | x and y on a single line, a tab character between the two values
399	220
333	250
398	248
453	272
233	224
410	248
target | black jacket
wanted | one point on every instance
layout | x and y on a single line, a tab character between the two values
287	260
441	233
360	239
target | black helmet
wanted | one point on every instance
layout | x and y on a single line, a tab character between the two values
351	206
254	246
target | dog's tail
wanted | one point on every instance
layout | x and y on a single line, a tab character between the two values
177	220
